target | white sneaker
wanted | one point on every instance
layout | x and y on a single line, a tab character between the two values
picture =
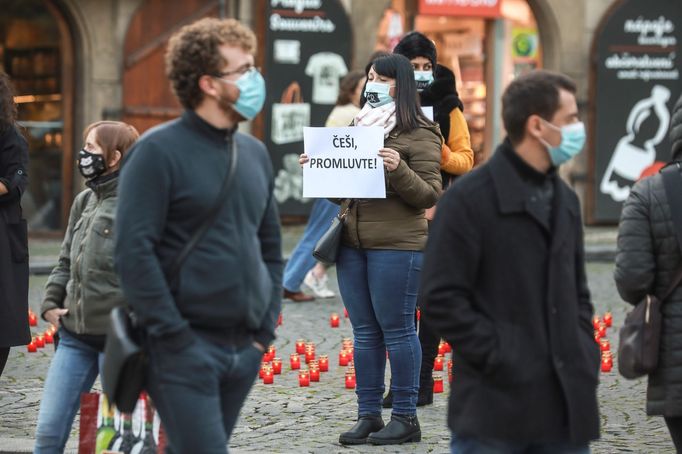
318	286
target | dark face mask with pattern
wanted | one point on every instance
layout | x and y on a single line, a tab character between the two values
91	165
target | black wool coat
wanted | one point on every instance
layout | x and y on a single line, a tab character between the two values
512	299
14	329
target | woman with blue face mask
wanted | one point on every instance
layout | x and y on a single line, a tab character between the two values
437	89
380	258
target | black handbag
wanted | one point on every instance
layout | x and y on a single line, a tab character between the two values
327	247
640	335
125	361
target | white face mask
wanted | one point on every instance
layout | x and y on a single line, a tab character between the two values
423	79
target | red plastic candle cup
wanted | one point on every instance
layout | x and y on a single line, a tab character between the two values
596	336
602	330
437	383
334	320
604	345
441	348
309	355
419	314
264	365
438	363
277	365
343	358
449	377
595	322
304	378
324	363
345	312
300	346
49	338
448	348
266	357
350	381
450	365
273	351
606	364
279	319
268	376
32	348
315	373
608	319
295	361
40	341
32	319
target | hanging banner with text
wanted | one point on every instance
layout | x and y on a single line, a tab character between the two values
468	8
344	163
638	75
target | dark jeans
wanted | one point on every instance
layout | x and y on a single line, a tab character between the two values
199	391
469	445
4	354
675	429
379	289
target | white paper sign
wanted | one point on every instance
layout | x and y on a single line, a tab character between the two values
344	162
428	112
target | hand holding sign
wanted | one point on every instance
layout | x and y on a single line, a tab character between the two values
344	162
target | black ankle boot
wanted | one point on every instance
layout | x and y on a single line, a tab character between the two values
388	400
425	396
361	430
401	429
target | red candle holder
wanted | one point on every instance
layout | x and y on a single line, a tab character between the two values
263	366
268	376
300	346
441	348
345	312
344	357
448	348
272	351
266	357
438	363
606	364
437	383
303	378
350	381
49	337
32	319
595	322
608	319
31	347
419	314
279	319
597	337
309	355
277	365
449	377
295	361
450	365
602	330
314	373
334	320
40	341
604	345
324	363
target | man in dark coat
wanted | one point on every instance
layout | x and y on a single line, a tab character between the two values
648	260
504	283
14	328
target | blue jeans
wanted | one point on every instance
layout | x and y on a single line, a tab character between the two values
469	445
199	391
73	370
302	260
379	289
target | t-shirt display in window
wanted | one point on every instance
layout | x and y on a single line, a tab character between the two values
326	68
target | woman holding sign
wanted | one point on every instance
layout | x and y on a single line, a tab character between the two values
381	255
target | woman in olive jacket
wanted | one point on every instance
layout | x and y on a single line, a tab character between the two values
648	260
13	240
381	254
83	288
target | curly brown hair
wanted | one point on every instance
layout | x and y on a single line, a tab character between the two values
193	52
8	109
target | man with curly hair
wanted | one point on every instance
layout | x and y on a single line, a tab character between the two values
208	324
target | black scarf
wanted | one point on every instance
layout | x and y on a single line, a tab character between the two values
442	95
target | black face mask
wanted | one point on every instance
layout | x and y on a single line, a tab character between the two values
91	165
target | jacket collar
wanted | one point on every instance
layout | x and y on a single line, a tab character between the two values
104	186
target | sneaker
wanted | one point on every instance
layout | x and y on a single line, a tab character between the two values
318	286
297	297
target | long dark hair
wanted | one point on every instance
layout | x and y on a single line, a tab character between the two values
8	110
407	108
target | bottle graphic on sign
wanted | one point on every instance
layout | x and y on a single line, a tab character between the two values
629	159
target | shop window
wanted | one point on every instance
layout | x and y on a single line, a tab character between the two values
31	53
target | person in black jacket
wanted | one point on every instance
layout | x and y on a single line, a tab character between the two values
504	282
207	327
14	328
648	260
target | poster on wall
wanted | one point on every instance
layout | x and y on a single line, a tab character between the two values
308	46
638	81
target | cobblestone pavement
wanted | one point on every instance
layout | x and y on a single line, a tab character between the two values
285	418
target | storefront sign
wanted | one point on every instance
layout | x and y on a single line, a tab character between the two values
344	162
307	52
470	8
637	84
524	43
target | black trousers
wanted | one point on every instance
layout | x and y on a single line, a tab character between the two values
675	429
4	354
429	341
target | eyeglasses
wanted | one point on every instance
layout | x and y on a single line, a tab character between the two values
240	71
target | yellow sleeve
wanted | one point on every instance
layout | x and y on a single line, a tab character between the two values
457	157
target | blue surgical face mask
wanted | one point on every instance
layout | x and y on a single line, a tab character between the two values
573	139
423	79
377	93
251	94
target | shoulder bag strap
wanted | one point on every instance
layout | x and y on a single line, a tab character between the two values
212	213
672	180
